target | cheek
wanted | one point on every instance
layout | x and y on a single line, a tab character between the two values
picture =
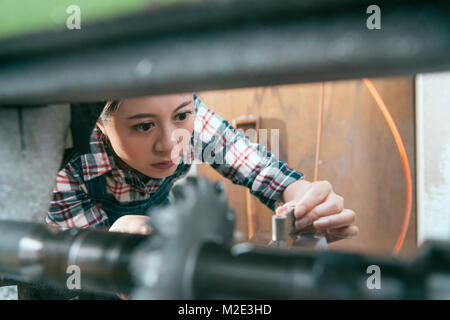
130	148
189	127
191	123
185	138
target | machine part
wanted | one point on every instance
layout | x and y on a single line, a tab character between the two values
164	265
310	240
189	256
278	231
226	44
38	253
304	239
248	272
291	230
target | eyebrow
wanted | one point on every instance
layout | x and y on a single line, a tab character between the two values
152	115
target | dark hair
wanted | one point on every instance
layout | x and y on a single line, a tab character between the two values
109	108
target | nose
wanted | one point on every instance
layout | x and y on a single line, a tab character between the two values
164	143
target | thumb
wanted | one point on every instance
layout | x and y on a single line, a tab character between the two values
285	208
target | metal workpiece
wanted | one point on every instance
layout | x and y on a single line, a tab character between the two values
164	265
190	255
255	272
278	231
310	240
307	239
38	253
243	46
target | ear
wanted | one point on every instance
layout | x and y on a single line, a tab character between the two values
101	126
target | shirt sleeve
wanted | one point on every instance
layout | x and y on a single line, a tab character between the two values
70	205
235	157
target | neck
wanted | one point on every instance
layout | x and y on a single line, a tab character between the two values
124	166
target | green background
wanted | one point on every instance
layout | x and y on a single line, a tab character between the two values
20	17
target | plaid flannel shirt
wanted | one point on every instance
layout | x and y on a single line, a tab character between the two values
213	141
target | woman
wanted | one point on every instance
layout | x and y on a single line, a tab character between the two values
141	146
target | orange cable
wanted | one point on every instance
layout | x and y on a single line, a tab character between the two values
400	147
404	157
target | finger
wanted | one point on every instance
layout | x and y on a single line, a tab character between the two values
348	232
117	229
318	192
139	225
145	229
285	208
332	205
335	221
142	219
139	228
122	296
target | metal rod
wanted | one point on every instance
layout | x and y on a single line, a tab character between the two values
34	253
289	45
263	273
37	253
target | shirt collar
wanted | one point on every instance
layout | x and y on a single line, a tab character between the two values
99	161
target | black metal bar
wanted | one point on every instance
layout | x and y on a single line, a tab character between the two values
39	254
191	15
5	283
259	273
291	43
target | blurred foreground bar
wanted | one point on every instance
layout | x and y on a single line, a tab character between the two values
209	45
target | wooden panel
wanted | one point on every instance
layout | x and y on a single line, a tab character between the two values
358	154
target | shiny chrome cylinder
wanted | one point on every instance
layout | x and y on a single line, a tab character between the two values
31	252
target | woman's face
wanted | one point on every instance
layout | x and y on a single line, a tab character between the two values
149	133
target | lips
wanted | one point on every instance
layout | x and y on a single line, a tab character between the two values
163	165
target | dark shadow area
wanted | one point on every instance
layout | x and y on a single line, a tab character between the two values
83	119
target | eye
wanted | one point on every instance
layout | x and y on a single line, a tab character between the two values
183	115
144	127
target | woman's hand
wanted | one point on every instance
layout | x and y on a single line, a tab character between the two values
132	224
316	206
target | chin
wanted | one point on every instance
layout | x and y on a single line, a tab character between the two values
159	174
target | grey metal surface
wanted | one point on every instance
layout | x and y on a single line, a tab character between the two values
8	293
32	144
279	231
164	265
310	240
306	239
189	256
295	44
37	253
250	272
